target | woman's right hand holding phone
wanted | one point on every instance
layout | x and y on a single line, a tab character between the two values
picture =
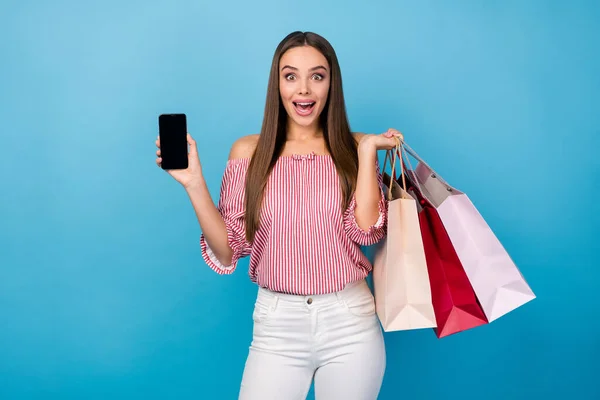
190	176
211	221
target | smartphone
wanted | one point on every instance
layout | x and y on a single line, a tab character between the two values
172	130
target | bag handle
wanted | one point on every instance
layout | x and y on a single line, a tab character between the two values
385	161
395	152
415	179
419	159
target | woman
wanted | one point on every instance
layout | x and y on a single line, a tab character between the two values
300	199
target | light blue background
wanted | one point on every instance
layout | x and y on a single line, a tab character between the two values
103	292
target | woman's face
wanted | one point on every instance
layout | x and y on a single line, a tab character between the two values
304	79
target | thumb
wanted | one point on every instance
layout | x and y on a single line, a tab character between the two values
192	143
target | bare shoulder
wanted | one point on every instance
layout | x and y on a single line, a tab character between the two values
358	136
244	147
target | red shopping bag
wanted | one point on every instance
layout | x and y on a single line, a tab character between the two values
454	301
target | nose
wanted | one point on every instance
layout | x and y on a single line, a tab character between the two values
303	87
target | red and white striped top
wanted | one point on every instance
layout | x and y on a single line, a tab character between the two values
306	244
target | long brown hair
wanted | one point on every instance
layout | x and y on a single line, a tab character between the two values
334	121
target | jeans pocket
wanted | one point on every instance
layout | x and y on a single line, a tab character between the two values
361	306
262	312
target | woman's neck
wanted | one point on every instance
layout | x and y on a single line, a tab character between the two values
297	133
304	139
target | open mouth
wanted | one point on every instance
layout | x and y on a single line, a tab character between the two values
304	108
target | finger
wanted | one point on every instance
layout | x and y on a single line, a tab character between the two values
192	143
396	133
157	143
159	161
158	153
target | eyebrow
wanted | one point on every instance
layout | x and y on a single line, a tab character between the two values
296	69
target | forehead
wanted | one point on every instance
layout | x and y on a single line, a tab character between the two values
303	58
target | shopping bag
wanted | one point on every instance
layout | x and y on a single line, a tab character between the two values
498	283
455	303
400	278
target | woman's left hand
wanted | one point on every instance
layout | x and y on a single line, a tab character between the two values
384	141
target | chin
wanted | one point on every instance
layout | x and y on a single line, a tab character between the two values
304	122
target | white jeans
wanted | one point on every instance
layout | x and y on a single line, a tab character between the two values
334	338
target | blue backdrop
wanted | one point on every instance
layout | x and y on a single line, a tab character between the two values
103	292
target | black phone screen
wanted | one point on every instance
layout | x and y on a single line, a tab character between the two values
173	141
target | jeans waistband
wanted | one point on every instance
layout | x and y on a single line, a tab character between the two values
313	300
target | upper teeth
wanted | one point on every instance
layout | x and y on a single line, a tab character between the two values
305	104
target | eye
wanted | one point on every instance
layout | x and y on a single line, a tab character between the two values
290	77
318	77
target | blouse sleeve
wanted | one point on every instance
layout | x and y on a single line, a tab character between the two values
231	208
375	232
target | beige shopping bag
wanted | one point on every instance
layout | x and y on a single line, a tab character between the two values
400	279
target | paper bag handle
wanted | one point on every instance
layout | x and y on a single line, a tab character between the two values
395	153
419	159
414	174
